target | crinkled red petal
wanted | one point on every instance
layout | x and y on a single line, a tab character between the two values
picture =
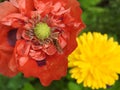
50	50
55	68
25	6
75	8
71	41
6	8
15	3
21	52
37	55
6	52
15	20
23	48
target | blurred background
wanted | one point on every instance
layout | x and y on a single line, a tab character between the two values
99	16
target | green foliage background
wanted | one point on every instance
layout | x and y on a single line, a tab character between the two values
99	16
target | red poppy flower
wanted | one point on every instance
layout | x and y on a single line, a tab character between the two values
37	36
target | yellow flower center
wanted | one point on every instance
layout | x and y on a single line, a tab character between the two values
42	31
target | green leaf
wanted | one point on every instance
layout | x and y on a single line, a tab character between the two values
28	86
74	86
96	9
88	3
113	35
116	86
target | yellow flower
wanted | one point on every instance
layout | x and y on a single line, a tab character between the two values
96	61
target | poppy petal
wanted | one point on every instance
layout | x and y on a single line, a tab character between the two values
21	51
15	3
6	8
6	51
25	6
14	20
75	8
37	55
55	67
50	50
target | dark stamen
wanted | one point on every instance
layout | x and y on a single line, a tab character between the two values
41	63
57	45
12	37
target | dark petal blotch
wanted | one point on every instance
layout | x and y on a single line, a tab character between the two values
41	63
12	37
